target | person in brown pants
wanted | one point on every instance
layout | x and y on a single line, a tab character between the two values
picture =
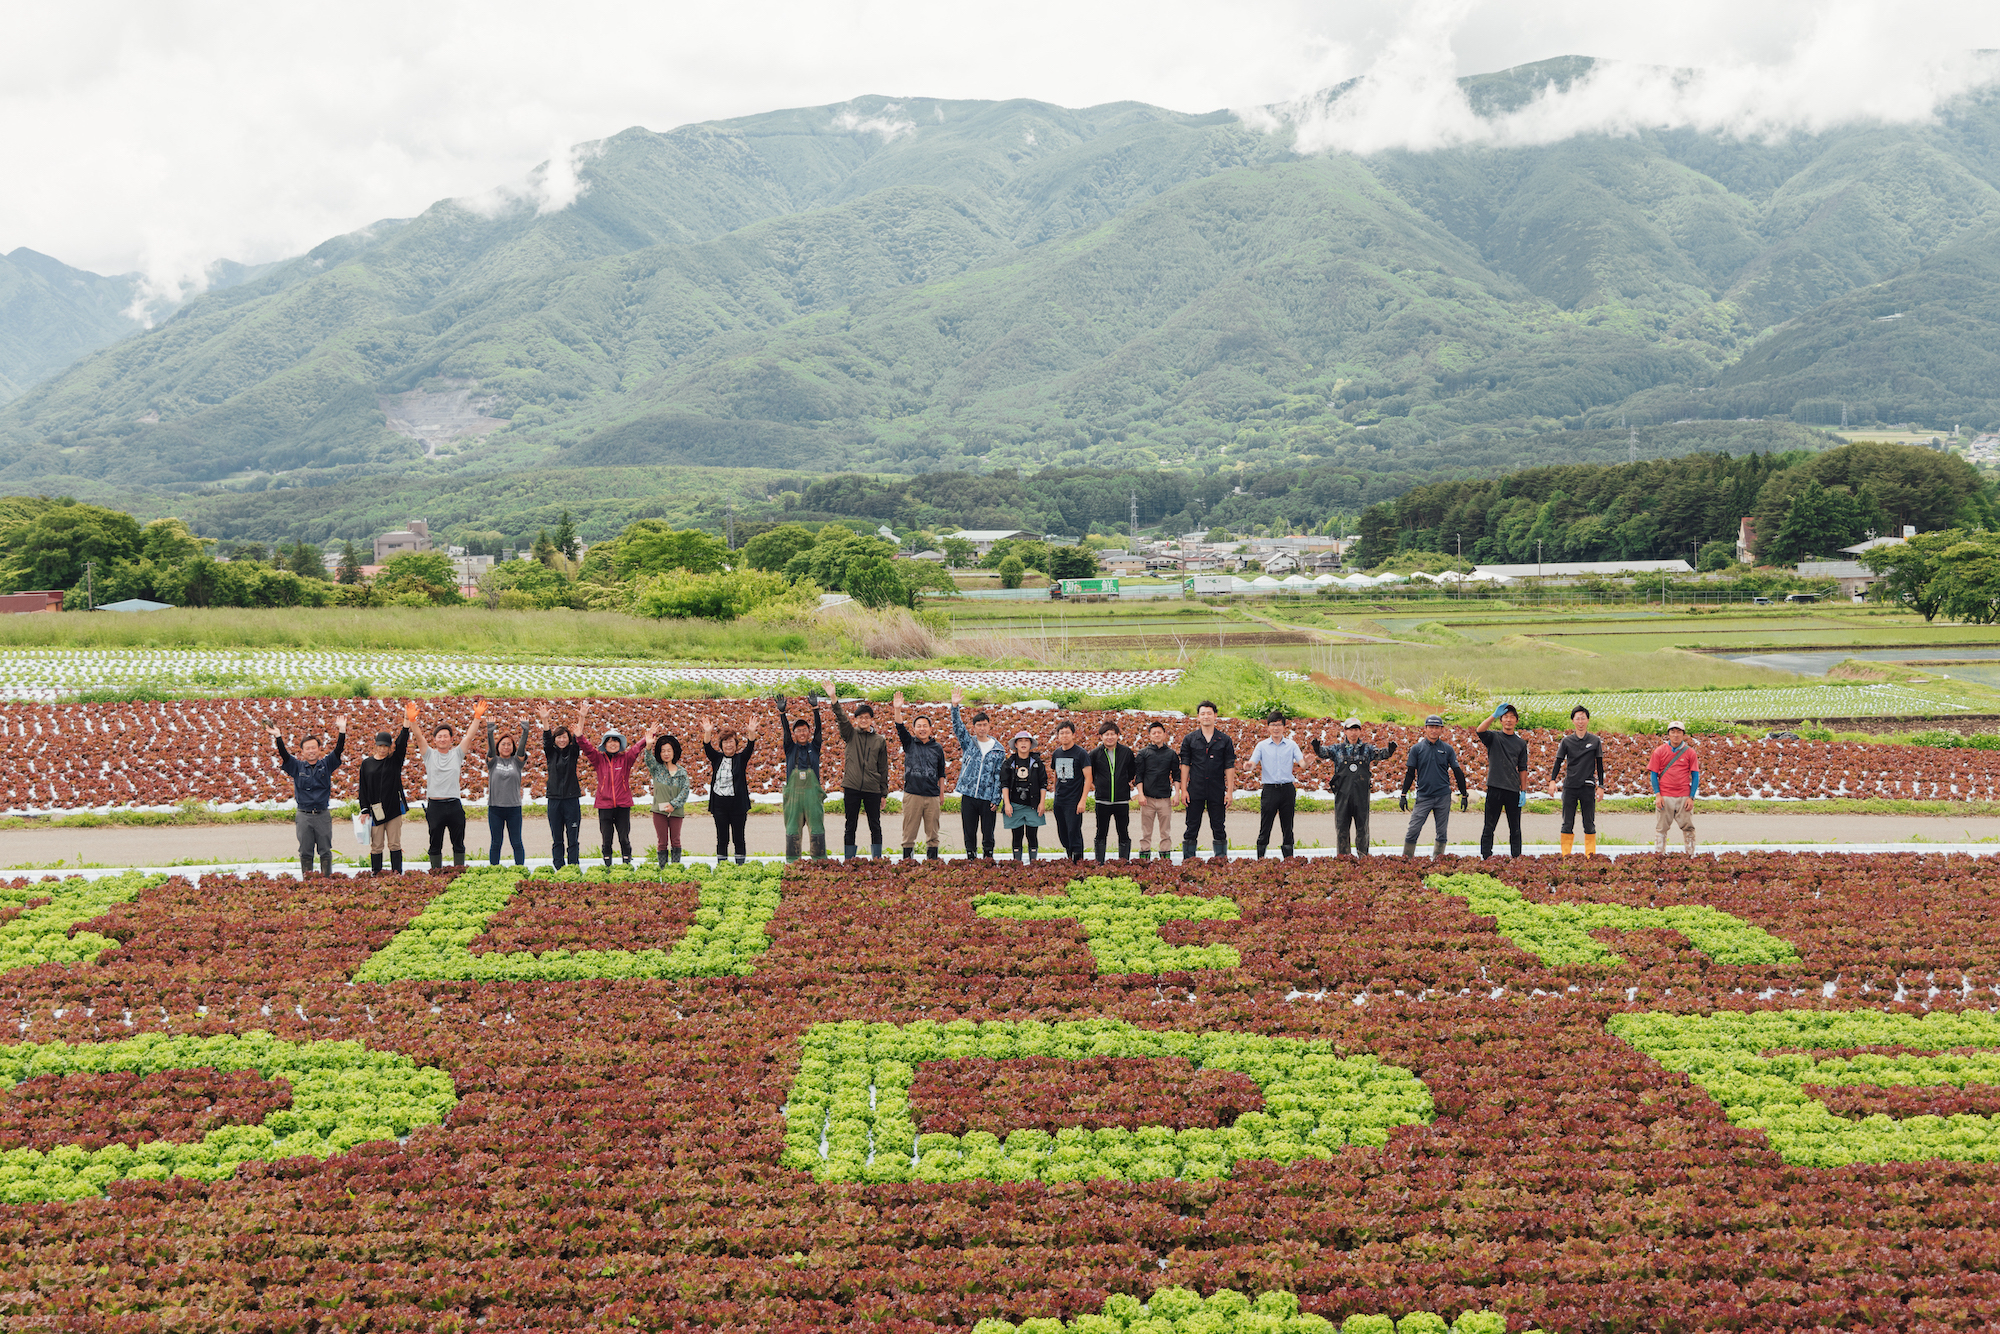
1155	770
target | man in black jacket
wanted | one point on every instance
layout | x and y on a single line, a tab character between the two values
1580	765
1208	781
1157	768
1353	782
1110	779
923	783
1506	762
562	793
312	785
1430	766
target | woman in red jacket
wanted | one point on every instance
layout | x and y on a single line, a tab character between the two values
613	763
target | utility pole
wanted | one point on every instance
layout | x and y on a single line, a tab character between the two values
729	521
90	584
1843	416
1538	558
1135	520
1632	446
1459	589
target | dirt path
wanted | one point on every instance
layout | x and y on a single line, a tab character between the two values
123	846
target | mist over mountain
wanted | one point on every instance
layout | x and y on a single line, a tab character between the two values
912	284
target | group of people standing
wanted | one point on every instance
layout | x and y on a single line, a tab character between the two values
1012	786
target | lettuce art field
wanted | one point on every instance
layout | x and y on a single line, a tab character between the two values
1754	1092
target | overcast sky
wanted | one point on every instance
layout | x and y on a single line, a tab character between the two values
160	135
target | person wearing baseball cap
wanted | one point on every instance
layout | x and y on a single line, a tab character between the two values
1353	782
1675	773
1506	764
1430	767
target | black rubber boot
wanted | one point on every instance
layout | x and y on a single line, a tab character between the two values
1261	848
1286	852
1438	851
1100	851
819	847
847	854
1222	852
674	857
1188	853
458	859
1409	849
1146	856
326	863
740	859
875	851
437	864
305	865
930	852
375	863
791	847
661	853
909	852
396	863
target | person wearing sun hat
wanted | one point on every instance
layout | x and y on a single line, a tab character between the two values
1675	773
1023	780
1353	782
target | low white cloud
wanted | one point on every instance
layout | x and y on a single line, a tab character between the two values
550	187
890	123
1856	64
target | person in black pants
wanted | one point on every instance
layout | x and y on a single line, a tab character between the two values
1580	765
562	793
729	788
1069	771
312	784
1208	780
1506	761
1277	759
1353	783
1110	781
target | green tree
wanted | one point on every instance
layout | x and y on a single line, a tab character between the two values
305	561
773	550
1818	522
684	595
1910	568
417	578
827	562
1011	570
168	542
565	537
650	547
1968	579
957	552
544	550
49	551
522	584
349	570
1715	556
873	582
1078	562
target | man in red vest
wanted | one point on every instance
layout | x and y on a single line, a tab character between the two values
1675	772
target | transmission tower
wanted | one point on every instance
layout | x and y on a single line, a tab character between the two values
1632	447
1135	516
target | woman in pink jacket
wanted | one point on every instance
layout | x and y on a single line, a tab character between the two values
613	763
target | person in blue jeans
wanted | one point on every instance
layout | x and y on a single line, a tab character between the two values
312	784
980	760
506	764
562	793
1430	768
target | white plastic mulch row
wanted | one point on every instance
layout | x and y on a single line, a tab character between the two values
51	674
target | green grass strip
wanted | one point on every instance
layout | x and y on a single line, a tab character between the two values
1122	923
1227	1311
1559	933
343	1094
726	936
1759	1066
42	934
848	1117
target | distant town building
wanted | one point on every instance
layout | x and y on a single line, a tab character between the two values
414	535
985	539
1746	539
47	599
1853	577
1589	569
470	568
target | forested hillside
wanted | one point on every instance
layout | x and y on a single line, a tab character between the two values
907	286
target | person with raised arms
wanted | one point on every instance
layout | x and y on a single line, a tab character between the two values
923	782
1110	781
1208	781
1353	782
1580	767
729	784
981	758
381	793
1276	758
506	766
444	798
1506	766
311	772
804	798
612	762
864	772
562	793
671	787
1430	767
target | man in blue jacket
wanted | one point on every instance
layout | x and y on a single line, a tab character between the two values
312	785
980	760
1431	766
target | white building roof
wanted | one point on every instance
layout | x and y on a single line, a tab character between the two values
990	534
1835	569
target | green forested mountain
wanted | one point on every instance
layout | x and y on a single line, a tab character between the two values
913	285
51	314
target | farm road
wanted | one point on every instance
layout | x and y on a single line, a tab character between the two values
126	846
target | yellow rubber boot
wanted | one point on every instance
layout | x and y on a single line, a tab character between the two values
1569	844
1590	845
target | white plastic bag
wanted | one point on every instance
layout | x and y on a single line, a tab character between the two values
363	830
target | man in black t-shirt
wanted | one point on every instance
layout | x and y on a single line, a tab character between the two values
1506	761
1069	766
1208	780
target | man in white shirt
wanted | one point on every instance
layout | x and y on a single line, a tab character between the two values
1274	759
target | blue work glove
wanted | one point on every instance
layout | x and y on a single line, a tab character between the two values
1523	798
